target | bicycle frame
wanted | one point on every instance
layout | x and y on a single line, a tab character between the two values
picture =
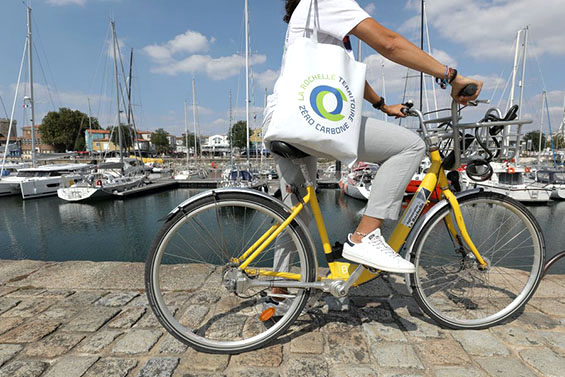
344	271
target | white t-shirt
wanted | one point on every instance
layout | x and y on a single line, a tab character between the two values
336	19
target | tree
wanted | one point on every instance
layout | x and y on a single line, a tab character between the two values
64	129
534	136
558	141
238	135
160	139
127	136
191	139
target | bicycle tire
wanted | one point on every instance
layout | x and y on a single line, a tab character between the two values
178	287
449	286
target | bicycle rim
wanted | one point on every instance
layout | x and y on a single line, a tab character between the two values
193	259
448	284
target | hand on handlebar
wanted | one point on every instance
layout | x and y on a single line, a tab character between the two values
394	110
463	84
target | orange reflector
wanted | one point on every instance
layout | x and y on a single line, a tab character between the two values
267	314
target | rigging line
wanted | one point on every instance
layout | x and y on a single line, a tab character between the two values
4	107
102	53
37	32
497	85
504	91
45	78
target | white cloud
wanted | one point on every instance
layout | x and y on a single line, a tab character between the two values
267	79
371	8
487	29
188	42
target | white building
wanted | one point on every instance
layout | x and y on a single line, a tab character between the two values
216	145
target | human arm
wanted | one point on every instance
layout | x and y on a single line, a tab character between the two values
395	47
392	110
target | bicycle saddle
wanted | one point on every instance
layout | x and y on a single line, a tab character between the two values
286	150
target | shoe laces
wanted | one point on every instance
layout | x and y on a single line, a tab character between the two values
380	243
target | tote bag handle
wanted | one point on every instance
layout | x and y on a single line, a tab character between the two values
315	17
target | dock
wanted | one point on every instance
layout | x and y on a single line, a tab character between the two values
92	319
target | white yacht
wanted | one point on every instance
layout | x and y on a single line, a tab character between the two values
99	185
509	179
357	184
555	180
40	181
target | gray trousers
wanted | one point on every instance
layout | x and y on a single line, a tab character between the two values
397	150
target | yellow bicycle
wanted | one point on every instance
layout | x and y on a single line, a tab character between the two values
211	270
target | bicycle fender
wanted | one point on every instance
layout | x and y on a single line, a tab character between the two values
422	221
258	193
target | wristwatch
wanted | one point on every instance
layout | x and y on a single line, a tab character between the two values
378	105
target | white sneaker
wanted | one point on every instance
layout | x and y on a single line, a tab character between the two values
375	252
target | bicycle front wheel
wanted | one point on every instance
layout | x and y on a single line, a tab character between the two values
448	283
194	280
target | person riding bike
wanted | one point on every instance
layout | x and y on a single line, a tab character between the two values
397	150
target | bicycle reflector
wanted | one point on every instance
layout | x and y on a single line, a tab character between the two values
479	170
267	314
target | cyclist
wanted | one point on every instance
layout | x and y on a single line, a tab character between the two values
397	150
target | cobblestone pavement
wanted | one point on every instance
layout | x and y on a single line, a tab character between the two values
89	319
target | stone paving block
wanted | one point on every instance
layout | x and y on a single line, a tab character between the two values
347	347
23	368
8	351
198	363
71	366
340	322
421	328
127	318
91	319
140	300
310	342
392	355
504	367
458	372
442	352
56	293
311	367
97	342
30	331
545	361
7	290
159	367
148	320
61	313
116	299
271	356
242	373
111	368
375	312
555	340
377	332
27	292
7	324
83	298
353	371
171	345
53	345
480	343
29	307
537	321
137	342
7	303
549	306
517	336
16	271
549	289
374	288
388	372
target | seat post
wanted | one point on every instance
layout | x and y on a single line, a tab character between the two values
304	169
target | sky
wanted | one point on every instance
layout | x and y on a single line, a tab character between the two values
177	41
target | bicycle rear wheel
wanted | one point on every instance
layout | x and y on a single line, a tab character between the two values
449	286
191	276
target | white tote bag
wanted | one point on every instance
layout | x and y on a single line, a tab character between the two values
320	97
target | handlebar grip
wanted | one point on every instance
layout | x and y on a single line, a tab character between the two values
469	90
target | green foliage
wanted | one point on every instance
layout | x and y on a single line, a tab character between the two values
191	139
534	136
159	138
127	136
64	129
238	135
558	141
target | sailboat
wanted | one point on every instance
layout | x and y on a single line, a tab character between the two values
108	179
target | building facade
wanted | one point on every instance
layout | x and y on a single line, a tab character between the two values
25	142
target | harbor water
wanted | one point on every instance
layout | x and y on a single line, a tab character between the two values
50	229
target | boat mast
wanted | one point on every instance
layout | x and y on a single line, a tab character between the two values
117	92
186	138
422	48
543	95
505	134
230	131
247	74
31	100
196	136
